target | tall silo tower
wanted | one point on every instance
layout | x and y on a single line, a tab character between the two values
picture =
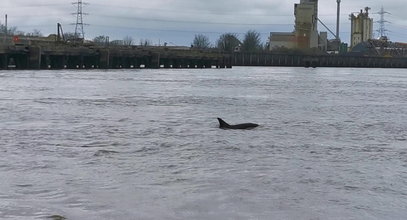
306	24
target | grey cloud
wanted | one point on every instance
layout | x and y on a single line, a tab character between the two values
178	20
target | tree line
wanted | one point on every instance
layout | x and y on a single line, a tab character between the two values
227	42
230	42
14	31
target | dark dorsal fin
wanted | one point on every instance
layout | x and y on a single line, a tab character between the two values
223	124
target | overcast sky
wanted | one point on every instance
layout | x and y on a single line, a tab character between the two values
177	21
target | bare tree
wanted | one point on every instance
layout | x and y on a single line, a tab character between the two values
128	41
145	42
201	42
71	36
10	31
101	40
228	42
35	33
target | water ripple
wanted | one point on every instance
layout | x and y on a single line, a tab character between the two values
145	144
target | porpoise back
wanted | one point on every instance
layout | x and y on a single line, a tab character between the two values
224	125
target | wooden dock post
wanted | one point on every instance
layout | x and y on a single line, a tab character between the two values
3	61
155	61
104	59
35	54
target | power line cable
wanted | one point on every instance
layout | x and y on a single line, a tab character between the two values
169	30
186	21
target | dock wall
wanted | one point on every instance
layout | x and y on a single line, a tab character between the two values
68	57
80	57
268	59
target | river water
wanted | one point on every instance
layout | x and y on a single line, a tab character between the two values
145	144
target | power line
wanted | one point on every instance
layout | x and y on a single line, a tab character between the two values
382	23
79	31
187	21
203	12
187	11
33	5
80	16
167	30
164	20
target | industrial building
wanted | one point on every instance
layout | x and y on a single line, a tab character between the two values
361	27
306	24
282	40
305	35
